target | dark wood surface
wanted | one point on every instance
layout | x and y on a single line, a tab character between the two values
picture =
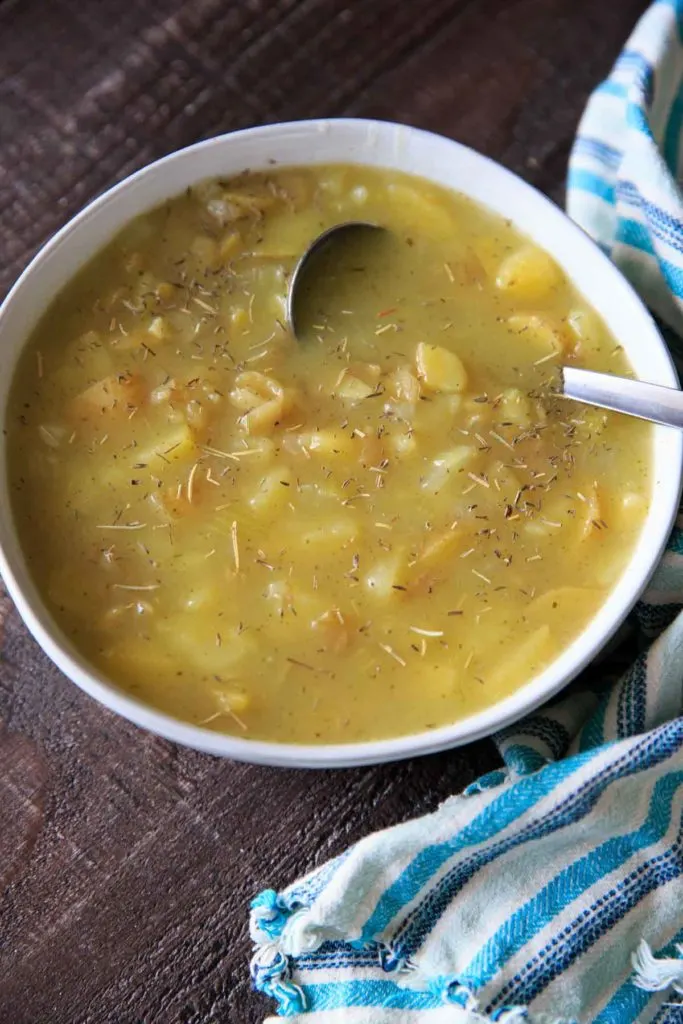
127	864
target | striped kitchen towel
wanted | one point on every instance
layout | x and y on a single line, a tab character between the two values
552	890
627	161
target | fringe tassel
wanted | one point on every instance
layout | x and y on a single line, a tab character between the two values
657	974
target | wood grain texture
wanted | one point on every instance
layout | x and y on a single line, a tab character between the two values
126	864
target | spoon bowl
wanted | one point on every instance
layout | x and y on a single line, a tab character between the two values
329	249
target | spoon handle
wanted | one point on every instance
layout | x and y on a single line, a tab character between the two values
647	401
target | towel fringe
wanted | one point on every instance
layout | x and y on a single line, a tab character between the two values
271	975
656	974
280	931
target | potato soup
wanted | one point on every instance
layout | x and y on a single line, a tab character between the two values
376	532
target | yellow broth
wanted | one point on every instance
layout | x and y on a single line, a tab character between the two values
374	533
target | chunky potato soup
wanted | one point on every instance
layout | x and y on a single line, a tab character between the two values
376	532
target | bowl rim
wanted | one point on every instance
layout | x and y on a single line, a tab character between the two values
493	718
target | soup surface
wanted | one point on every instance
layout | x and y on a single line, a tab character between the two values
376	532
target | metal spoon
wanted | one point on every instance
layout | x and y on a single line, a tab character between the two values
305	280
635	398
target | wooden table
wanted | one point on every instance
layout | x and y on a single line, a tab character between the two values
126	863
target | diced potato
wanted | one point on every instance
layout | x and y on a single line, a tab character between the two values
293	603
282	237
433	416
357	382
328	442
542	527
239	318
424	569
131	341
332	631
298	188
514	407
439	545
336	534
334	181
232	206
389	577
262	450
586	328
206	252
403	385
539	333
232	702
563	606
200	643
422	209
591	422
114	616
177	445
631	508
138	656
117	394
89	351
166	292
403	445
523	661
471	269
202	598
169	503
160	329
439	369
528	275
278	304
446	466
480	415
273	491
263	400
196	414
230	245
280	594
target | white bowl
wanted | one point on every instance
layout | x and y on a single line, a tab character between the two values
404	149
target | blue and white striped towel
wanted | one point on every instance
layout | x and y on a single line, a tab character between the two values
552	890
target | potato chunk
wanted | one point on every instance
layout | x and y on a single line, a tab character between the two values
542	336
264	401
335	534
447	465
528	275
178	444
357	382
117	394
403	385
332	631
439	369
515	407
160	329
388	578
565	604
273	491
522	662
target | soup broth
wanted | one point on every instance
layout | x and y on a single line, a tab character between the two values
376	532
